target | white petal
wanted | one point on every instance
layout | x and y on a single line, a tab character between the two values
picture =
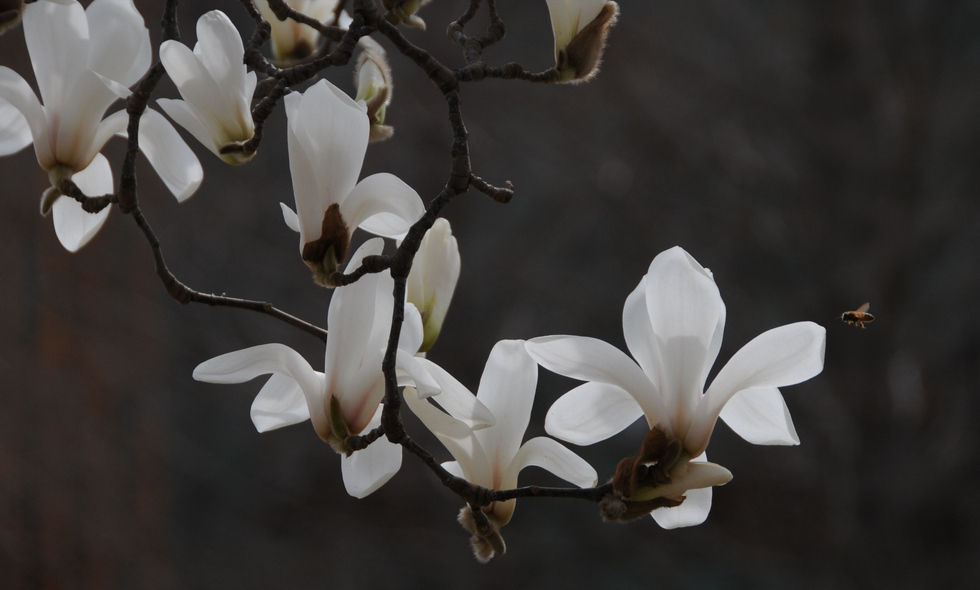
328	128
695	486
57	39
80	131
73	226
382	193
687	316
17	92
589	359
411	372
761	417
549	454
219	48
456	436
782	356
246	364
591	412
507	390
15	133
456	399
368	469
289	216
119	46
176	164
187	117
280	403
640	339
454	468
568	17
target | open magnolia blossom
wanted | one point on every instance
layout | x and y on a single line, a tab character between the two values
345	398
493	456
581	28
84	60
673	323
433	278
373	78
327	135
292	41
215	85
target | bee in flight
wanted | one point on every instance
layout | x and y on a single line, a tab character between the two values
858	317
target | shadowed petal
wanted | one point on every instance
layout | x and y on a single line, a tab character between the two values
368	469
549	454
382	193
119	45
280	403
176	164
589	359
57	39
15	133
507	390
590	413
782	356
456	399
695	485
760	416
73	226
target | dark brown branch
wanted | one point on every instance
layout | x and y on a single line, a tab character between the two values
184	294
89	204
500	195
475	72
369	265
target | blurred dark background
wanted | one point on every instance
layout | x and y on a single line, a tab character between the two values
814	155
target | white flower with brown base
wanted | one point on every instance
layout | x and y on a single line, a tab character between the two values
673	323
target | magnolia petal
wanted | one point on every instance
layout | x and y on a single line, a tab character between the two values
782	356
456	399
197	87
220	50
57	38
454	469
176	164
761	417
289	216
549	454
19	95
72	224
187	117
695	485
246	364
280	403
119	44
589	359
79	130
412	372
382	193
640	339
328	128
568	17
507	390
368	469
15	133
590	413
456	436
686	314
351	317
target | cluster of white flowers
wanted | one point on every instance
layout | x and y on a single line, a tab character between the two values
84	60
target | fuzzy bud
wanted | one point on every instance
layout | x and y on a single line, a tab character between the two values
581	28
403	12
486	539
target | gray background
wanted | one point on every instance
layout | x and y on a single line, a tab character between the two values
814	155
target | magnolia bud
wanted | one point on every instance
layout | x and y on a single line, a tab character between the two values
374	86
432	282
486	540
10	13
580	28
403	12
293	41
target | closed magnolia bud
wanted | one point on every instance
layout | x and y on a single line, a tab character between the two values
10	13
432	282
293	41
373	78
580	28
403	12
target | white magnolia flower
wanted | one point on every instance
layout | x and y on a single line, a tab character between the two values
493	456
373	79
292	41
345	398
432	281
328	137
580	28
673	324
215	85
84	60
